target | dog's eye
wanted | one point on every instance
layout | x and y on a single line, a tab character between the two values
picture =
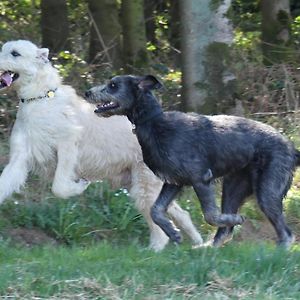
112	85
15	53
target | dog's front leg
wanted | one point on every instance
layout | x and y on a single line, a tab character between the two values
15	173
66	183
212	215
159	209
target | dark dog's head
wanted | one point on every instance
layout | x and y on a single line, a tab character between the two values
120	94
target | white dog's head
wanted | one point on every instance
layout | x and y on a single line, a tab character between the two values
20	63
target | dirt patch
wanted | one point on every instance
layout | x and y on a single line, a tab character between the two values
256	230
29	237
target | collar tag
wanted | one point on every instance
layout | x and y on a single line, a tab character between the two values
50	94
133	129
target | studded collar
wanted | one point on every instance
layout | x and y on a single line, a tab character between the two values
48	94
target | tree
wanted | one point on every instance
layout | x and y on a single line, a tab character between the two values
149	12
205	38
55	25
174	32
134	35
105	32
275	30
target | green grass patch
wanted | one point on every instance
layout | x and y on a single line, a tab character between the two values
104	271
99	213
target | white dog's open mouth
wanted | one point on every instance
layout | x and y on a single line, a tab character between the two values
7	78
106	106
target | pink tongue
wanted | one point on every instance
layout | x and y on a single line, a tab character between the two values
6	78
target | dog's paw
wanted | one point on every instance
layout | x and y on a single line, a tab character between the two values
176	237
197	240
81	185
240	219
221	240
287	242
224	220
233	219
66	189
207	244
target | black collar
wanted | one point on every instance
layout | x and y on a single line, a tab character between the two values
155	113
49	94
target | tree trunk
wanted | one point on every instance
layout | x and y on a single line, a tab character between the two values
105	33
206	35
55	25
275	30
134	35
174	37
174	33
149	8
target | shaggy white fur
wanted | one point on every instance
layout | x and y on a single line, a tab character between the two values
61	137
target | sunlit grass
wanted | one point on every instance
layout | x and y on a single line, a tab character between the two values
130	272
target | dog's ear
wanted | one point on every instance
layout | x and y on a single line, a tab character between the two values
42	54
149	82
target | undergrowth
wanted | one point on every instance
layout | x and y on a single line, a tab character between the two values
99	213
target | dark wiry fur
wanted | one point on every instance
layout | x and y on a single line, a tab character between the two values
191	149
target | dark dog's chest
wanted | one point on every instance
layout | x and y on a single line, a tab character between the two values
169	168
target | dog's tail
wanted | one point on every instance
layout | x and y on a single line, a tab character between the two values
297	158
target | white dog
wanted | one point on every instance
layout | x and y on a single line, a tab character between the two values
57	134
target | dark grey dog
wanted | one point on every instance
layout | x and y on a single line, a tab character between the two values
190	149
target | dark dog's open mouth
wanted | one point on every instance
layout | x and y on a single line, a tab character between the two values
106	106
7	78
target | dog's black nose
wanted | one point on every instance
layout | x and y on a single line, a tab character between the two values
88	94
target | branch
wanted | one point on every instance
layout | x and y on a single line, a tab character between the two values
282	113
105	49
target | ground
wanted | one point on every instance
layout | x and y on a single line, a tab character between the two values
29	237
258	230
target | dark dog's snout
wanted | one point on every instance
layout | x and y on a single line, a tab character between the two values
94	92
88	94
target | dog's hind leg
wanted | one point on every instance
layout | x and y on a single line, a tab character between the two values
212	216
236	188
271	187
65	182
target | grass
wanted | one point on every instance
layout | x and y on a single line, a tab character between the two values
103	271
99	213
